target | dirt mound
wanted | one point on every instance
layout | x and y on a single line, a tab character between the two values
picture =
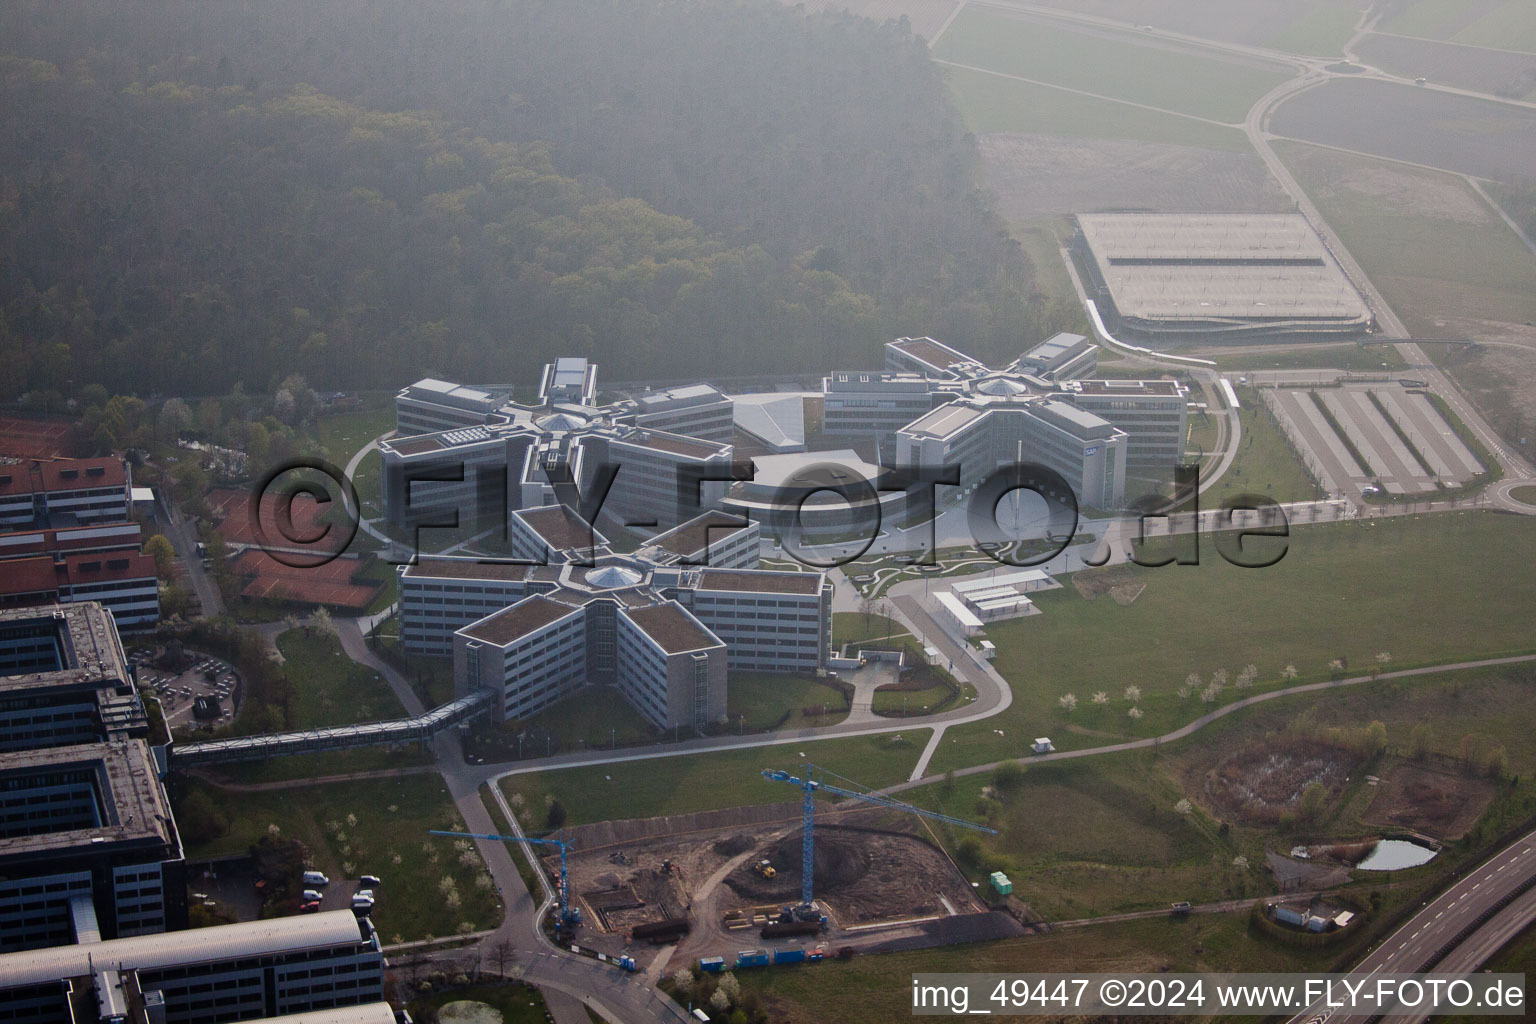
733	846
841	860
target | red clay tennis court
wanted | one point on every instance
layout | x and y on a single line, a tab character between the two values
328	584
26	437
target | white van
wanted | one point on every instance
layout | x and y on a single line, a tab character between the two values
316	878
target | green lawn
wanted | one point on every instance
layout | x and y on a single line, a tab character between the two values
1266	464
1154	76
380	827
991	103
1346	590
704	782
595	718
889	700
1526	493
330	688
878	988
335	762
856	627
1349	356
768	700
340	436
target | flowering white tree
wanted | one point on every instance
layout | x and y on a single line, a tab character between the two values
1219	678
1289	672
1192	681
1133	694
1068	702
1134	713
1184	806
1101	698
1240	862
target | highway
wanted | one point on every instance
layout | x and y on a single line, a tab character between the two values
1476	902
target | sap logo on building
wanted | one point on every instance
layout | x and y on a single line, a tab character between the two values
1090	452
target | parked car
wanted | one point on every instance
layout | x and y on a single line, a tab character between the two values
369	882
313	894
309	908
316	878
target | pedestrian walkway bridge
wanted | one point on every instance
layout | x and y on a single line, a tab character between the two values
334	737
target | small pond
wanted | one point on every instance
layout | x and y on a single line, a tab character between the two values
1396	854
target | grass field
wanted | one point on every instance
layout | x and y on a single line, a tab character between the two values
703	782
330	688
1346	591
1348	356
856	627
1509	26
1526	494
878	988
761	700
1265	465
992	103
1320	31
335	762
593	719
378	826
1153	76
1427	241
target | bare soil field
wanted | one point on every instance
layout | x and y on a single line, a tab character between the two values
1468	136
1437	803
1036	176
925	16
1499	375
863	874
1266	780
1499	72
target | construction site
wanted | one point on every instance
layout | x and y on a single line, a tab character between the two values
716	883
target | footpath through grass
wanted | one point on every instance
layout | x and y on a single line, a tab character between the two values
1346	591
1155	76
330	688
706	782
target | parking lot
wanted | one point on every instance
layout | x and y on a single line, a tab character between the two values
205	677
1359	437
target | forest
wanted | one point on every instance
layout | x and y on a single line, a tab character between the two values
193	195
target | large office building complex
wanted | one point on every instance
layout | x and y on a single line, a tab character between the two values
663	625
254	971
87	843
66	536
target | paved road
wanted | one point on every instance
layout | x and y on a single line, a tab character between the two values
1414	947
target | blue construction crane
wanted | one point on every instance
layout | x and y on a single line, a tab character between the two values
568	918
810	787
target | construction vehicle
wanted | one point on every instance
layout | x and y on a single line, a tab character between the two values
570	917
764	868
809	787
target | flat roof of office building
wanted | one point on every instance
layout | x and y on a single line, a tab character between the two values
673	629
127	787
47	475
468	569
193	946
934	353
945	421
760	581
85	639
674	444
560	528
689	394
1158	388
696	534
527	616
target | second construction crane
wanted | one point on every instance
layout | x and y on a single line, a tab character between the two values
810	787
